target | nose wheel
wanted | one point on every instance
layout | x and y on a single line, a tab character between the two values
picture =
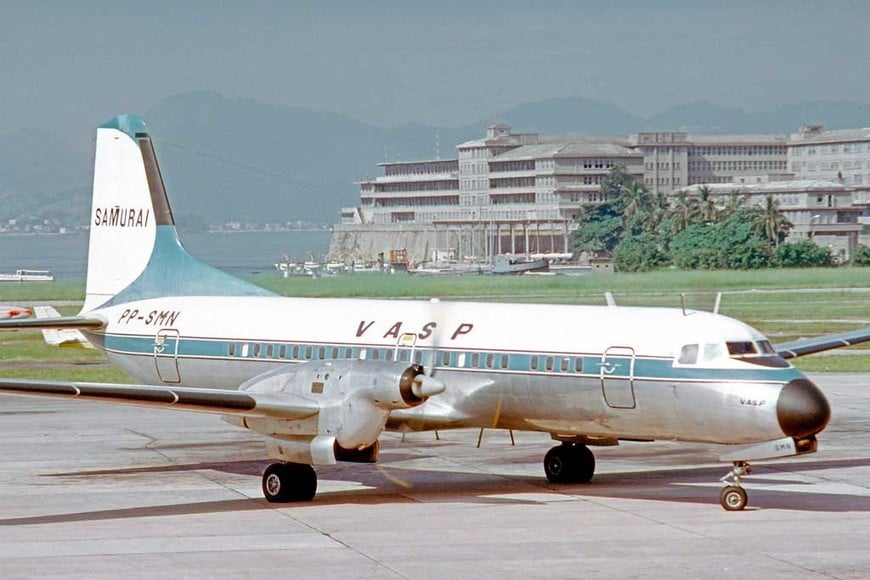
286	482
733	497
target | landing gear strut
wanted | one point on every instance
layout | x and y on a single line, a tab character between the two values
733	497
286	482
569	463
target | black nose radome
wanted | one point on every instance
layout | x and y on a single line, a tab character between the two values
802	409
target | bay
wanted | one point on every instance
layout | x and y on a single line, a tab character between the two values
239	253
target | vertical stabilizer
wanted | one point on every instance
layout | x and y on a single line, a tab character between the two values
134	252
123	222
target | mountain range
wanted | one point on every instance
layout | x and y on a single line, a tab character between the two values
238	159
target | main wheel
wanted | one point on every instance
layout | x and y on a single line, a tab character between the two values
733	498
286	482
569	463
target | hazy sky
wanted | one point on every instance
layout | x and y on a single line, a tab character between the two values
67	66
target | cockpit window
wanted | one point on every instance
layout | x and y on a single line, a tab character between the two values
766	347
688	354
740	348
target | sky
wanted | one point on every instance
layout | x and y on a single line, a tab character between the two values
68	66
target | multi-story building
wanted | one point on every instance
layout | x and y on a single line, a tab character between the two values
520	192
673	160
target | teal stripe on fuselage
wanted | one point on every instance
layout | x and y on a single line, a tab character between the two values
517	362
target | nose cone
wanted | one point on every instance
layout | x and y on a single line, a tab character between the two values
802	409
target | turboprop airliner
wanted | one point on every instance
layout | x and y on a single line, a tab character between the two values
321	379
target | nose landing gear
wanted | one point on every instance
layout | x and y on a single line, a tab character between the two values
733	497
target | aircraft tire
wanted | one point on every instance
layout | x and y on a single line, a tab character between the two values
733	498
569	463
289	482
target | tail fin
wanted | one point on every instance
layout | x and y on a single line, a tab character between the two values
134	252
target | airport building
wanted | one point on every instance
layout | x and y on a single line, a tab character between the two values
520	192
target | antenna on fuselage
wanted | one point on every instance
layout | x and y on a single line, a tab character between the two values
683	303
608	296
718	301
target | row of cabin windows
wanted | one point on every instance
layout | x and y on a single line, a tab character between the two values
477	360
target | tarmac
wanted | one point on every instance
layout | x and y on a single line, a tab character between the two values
103	491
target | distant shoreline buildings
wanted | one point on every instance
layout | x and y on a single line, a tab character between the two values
520	192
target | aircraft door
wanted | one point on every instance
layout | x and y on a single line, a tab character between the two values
166	355
617	377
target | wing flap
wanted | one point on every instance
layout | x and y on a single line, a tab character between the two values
822	343
216	401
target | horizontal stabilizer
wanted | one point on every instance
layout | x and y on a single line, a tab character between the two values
60	336
80	322
217	401
822	343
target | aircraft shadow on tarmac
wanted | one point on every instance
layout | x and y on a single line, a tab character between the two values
385	484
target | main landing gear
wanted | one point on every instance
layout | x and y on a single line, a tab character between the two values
569	463
286	482
733	496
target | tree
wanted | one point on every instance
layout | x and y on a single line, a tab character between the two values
637	201
771	224
639	252
803	254
598	227
707	210
861	256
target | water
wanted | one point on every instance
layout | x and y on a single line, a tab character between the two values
242	253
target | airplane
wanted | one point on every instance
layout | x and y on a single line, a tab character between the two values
320	378
7	312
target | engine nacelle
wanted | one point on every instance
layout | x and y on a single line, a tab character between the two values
389	385
355	399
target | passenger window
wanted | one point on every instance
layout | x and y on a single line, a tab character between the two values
245	349
713	352
388	354
533	363
282	351
475	360
376	354
578	364
269	351
490	361
566	362
688	355
231	349
335	352
308	353
295	354
549	363
257	349
504	361
445	359
363	353
321	353
460	360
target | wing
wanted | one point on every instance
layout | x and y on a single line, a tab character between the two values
283	406
806	346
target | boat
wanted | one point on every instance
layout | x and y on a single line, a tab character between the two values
509	264
28	276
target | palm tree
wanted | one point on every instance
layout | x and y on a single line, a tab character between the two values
771	224
636	200
736	201
685	211
707	205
